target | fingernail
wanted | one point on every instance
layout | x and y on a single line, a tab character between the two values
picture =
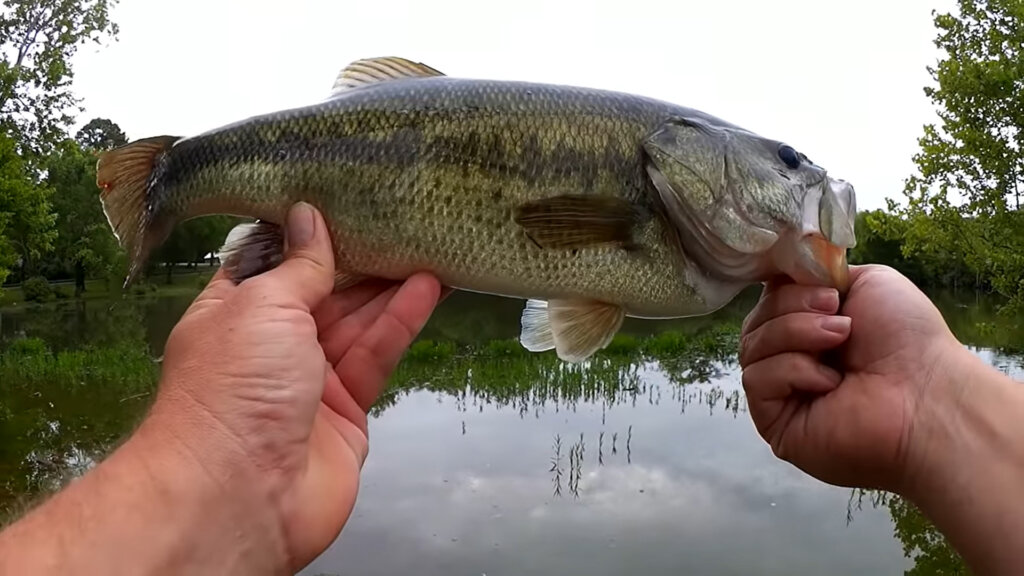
300	225
825	301
836	324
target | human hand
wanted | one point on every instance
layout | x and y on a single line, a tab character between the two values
266	385
852	423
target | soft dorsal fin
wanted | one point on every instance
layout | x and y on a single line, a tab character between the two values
381	69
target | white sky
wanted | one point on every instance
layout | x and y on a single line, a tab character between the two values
840	80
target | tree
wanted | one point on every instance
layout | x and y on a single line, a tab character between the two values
193	240
85	245
966	198
26	222
38	39
101	134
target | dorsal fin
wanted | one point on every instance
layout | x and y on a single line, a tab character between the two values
373	70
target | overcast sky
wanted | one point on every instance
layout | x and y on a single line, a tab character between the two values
839	80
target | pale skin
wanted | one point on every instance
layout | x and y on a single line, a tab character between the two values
249	460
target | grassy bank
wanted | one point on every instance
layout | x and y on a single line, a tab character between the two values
185	282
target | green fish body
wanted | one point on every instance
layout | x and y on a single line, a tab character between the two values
519	189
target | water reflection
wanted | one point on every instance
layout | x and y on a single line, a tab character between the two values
488	459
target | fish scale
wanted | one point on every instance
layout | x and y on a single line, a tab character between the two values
519	189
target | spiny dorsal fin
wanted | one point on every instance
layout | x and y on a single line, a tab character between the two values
566	222
373	70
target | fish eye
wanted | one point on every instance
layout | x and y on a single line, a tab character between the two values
789	156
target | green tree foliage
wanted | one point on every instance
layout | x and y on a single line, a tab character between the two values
192	241
101	134
922	542
26	222
965	201
38	39
85	245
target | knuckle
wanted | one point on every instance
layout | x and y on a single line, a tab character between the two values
748	344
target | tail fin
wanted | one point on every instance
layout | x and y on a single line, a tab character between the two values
124	176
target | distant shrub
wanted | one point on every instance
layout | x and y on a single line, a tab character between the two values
28	347
623	345
37	289
504	347
429	350
143	288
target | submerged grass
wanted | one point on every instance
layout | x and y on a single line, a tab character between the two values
502	372
62	411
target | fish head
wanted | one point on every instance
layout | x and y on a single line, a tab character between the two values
750	208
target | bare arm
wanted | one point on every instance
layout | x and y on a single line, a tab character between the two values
900	406
249	461
968	465
150	510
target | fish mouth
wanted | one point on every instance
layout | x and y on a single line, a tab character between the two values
830	264
810	259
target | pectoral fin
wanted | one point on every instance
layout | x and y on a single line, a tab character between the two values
576	329
252	249
578	221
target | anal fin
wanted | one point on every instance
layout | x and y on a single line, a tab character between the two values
576	329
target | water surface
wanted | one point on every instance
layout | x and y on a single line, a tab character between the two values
488	460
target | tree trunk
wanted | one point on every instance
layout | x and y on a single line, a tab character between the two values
170	273
79	278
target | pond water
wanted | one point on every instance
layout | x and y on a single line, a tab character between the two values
489	460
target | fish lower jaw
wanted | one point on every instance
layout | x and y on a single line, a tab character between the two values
811	260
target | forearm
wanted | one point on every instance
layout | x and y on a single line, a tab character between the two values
971	468
146	510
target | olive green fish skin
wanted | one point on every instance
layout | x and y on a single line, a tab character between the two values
427	173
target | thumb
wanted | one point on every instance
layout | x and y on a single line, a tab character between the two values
307	272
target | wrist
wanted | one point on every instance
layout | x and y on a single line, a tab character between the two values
965	460
148	509
223	513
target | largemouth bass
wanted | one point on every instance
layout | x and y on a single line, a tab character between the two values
591	205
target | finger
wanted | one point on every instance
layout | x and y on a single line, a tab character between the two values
779	377
340	401
307	272
772	384
796	332
368	364
336	339
785	299
342	304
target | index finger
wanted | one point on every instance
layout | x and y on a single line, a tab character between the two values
788	298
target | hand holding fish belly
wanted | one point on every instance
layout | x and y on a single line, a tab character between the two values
592	205
249	459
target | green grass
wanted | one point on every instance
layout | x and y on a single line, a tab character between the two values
185	283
